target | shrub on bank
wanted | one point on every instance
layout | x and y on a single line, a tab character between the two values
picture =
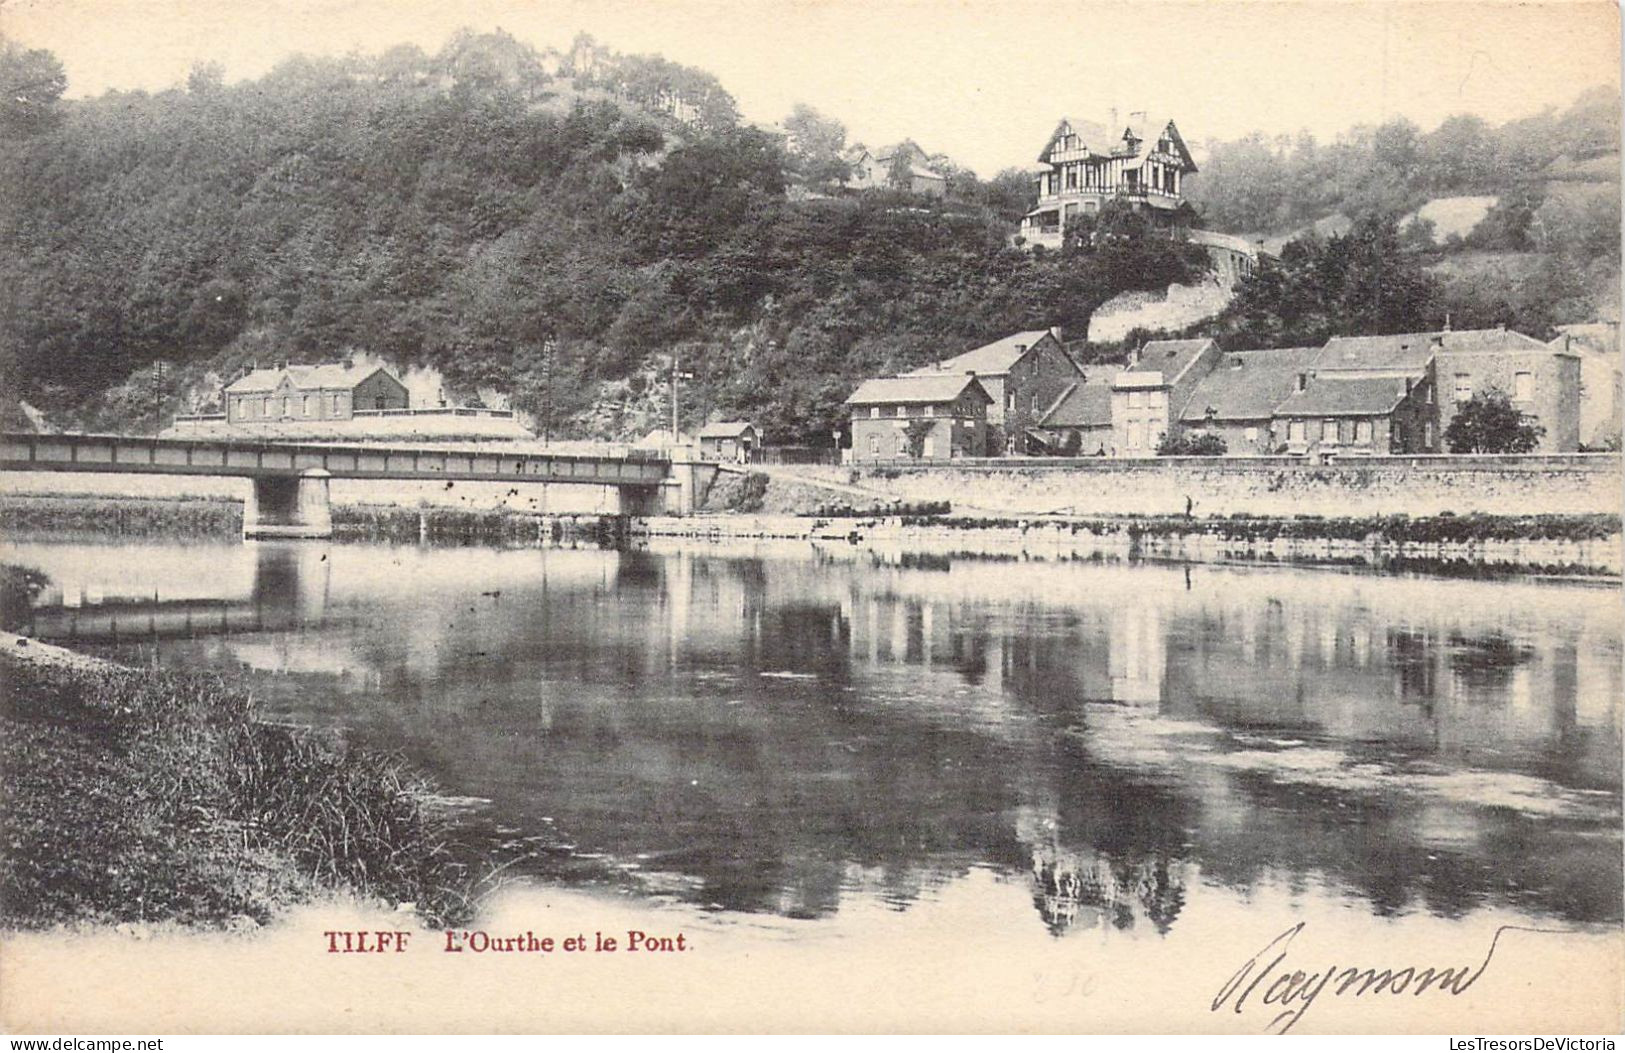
141	796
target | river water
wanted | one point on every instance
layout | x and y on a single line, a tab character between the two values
803	732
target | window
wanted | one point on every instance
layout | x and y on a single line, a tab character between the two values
874	412
1328	431
310	405
902	445
1136	400
1251	434
1427	435
1295	431
874	445
1464	387
1091	206
378	402
1072	177
1523	387
1010	400
930	411
1362	432
930	446
287	410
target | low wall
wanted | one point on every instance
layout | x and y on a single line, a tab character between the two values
1267	486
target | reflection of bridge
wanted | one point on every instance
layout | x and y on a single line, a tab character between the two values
290	492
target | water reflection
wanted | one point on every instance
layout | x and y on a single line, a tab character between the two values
776	731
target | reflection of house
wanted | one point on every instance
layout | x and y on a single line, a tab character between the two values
948	413
1142	163
1237	401
728	440
326	392
1597	344
1024	374
1148	396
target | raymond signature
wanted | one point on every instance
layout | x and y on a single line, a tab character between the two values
1290	991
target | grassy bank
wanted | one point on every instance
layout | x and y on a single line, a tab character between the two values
139	796
129	516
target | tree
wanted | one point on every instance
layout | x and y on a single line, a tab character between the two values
1489	423
900	173
815	145
31	84
1201	444
915	432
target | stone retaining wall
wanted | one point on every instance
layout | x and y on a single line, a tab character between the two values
1265	486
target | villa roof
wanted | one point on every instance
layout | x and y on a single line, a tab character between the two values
1248	385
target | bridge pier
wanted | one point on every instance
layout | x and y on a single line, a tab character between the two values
285	506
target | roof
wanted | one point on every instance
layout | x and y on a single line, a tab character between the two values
1396	352
1171	358
726	429
1344	396
660	438
1594	337
1093	137
1491	340
1083	405
914	388
990	359
1248	385
305	378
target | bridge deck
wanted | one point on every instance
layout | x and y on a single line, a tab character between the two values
253	460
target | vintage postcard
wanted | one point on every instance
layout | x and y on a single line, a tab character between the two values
810	516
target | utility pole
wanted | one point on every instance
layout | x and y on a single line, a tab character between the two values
157	396
547	388
677	377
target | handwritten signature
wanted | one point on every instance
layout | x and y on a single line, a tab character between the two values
1291	991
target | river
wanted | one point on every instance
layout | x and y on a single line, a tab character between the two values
792	731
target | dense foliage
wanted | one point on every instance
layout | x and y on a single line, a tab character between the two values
1263	184
1198	444
1489	423
556	239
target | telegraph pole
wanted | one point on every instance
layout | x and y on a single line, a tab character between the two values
677	377
157	396
547	387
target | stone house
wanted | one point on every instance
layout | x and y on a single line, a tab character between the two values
1149	396
332	391
949	412
1355	415
1024	374
1238	399
1080	421
1541	380
1142	162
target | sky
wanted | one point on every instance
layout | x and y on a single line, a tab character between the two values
984	81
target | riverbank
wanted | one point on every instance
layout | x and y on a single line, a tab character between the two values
159	799
1567	546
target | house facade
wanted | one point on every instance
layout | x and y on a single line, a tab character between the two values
333	391
1597	344
729	440
1080	421
1542	381
1148	397
1142	163
919	417
873	170
1237	400
1024	374
1341	415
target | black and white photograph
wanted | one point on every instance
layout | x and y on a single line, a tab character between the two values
811	517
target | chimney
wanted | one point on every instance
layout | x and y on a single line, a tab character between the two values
1437	343
1059	335
1021	349
1447	321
